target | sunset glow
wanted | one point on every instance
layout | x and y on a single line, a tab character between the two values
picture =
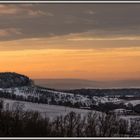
94	50
122	63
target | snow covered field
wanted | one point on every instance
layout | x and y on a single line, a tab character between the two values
35	92
133	102
46	110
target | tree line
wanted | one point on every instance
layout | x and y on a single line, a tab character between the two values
24	123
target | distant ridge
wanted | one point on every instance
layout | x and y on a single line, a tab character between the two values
12	79
81	83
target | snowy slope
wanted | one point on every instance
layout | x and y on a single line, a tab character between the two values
51	96
46	110
47	94
133	102
106	99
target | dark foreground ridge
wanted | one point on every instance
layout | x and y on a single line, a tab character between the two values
12	79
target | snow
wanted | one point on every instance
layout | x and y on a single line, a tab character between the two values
63	97
83	101
130	118
133	102
119	110
72	98
46	110
105	100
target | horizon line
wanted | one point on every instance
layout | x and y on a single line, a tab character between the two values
83	79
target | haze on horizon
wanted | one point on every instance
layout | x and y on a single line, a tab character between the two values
62	41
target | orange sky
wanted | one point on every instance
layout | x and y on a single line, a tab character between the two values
84	41
95	64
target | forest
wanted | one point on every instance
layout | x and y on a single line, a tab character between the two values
21	123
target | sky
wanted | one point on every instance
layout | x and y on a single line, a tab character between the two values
80	41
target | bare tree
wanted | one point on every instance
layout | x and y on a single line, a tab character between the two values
91	125
123	127
108	125
1	104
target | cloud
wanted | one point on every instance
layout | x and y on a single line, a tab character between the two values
90	12
9	32
28	10
5	9
70	42
90	21
38	13
108	38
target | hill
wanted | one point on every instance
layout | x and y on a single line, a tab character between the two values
11	79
